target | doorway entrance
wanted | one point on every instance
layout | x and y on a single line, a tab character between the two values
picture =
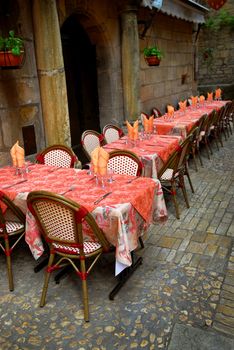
81	78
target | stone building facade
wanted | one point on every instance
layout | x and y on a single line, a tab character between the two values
84	67
216	56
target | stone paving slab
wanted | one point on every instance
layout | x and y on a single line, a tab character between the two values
190	338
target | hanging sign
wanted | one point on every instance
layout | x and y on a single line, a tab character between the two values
157	3
216	4
152	3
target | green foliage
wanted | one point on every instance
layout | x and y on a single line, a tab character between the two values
152	51
11	43
221	19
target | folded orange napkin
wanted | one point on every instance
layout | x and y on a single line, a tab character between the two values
17	155
194	100
183	105
170	110
218	93
13	154
148	123
202	98
210	96
99	159
132	130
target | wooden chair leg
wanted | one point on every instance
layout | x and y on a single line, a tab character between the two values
207	149
141	242
173	193
189	180
194	158
199	156
182	185
84	290
9	273
46	280
9	264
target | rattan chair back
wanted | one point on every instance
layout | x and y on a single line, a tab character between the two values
12	230
91	139
125	162
156	112
112	133
62	222
173	172
57	155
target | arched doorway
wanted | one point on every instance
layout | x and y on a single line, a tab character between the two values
81	78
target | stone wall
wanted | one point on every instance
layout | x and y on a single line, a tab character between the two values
216	58
19	93
174	78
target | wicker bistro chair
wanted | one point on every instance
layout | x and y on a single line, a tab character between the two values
61	222
156	112
112	133
12	229
205	132
171	175
196	138
227	117
125	162
58	155
91	139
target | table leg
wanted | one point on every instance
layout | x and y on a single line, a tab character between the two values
125	274
42	262
64	271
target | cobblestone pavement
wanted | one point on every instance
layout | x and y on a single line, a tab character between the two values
187	277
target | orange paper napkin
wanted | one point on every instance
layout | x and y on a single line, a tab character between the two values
218	93
170	110
148	123
17	155
132	130
202	98
99	158
183	105
209	96
194	100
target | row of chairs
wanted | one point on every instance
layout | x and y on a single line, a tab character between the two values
212	125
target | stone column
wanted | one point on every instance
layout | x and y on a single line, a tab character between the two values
130	62
51	72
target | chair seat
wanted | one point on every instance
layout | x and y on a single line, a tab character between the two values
12	226
167	175
89	247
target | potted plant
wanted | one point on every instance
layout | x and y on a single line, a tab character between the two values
153	55
11	51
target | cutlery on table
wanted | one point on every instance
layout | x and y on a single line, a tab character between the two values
129	181
71	188
102	197
17	183
52	170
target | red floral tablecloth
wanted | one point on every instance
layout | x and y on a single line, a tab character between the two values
124	214
183	122
153	151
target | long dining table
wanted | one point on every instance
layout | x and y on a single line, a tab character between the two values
153	150
130	205
183	121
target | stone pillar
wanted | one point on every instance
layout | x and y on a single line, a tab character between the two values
51	72
130	62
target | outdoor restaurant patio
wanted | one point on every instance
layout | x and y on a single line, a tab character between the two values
186	279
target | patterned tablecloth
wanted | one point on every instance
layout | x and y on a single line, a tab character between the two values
182	123
153	151
124	214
